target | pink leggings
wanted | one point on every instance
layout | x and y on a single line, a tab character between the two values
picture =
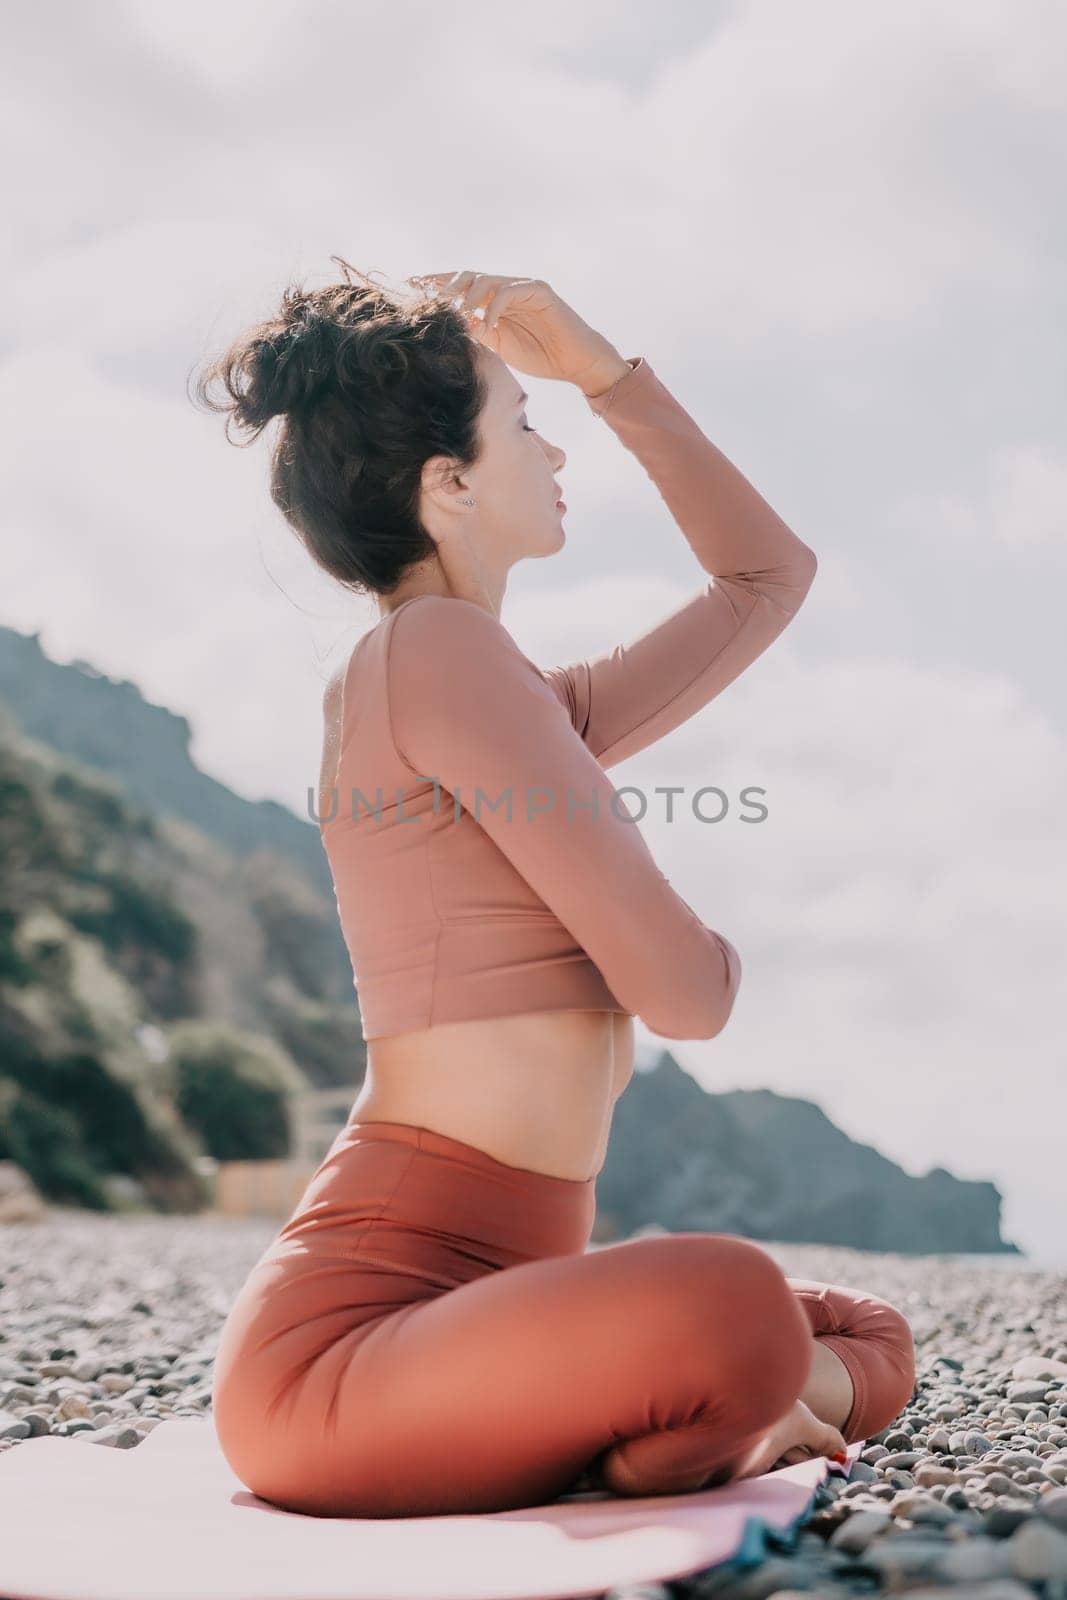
428	1335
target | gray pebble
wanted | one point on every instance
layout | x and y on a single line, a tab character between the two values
122	1438
899	1558
1038	1552
976	1444
901	1458
1053	1507
640	1591
998	1589
976	1560
1021	1393
857	1531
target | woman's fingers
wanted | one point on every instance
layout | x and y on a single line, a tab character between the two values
471	288
440	280
467	291
488	292
503	295
524	321
471	292
474	292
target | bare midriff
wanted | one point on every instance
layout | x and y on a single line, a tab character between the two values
535	1090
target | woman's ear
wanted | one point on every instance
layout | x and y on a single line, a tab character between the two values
442	493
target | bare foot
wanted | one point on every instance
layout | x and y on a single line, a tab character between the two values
798	1436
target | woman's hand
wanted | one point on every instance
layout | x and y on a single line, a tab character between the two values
798	1436
531	328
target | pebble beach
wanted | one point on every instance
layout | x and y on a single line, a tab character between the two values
108	1325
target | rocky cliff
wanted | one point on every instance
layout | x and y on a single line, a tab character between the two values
773	1166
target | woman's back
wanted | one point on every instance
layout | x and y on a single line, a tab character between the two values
532	1087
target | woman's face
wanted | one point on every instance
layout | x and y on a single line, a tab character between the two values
514	480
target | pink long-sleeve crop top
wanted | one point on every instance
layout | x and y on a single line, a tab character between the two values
482	862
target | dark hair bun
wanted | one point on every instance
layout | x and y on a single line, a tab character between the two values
370	383
287	368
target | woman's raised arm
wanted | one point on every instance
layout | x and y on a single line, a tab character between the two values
623	700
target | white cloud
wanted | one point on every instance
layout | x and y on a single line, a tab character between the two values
1023	504
1029	498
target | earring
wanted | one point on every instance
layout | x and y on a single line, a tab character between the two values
467	502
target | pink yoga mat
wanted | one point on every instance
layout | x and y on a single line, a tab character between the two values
168	1520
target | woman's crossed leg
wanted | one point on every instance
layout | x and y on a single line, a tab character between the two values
874	1342
662	1358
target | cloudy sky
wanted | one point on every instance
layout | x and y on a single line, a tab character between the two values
832	231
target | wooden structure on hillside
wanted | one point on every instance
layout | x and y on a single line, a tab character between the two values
273	1188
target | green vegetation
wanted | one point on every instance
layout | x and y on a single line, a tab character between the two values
161	996
232	1088
46	1142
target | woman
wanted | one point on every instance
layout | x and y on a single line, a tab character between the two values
426	1334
